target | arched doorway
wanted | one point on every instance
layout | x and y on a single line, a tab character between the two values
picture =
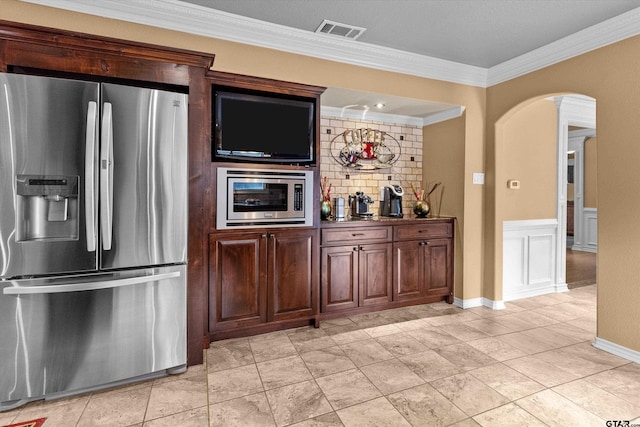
531	205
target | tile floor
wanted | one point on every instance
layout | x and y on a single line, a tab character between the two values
434	365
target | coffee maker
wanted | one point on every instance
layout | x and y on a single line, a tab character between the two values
360	205
391	201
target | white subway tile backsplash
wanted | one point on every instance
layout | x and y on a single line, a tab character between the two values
403	172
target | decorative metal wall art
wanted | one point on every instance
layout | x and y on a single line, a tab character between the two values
365	149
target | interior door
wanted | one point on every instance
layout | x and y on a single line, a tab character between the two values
143	177
47	132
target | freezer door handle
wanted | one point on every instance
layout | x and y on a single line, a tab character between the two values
88	286
90	178
106	177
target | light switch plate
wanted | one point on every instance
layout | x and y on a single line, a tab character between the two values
478	178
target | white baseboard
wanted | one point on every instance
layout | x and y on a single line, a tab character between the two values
478	302
617	350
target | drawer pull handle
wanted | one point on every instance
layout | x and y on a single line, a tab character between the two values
357	234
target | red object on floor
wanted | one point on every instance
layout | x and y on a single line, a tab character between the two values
33	423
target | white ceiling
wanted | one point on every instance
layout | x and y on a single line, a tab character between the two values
476	42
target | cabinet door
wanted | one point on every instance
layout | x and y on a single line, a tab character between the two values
408	277
292	270
237	280
339	278
375	266
438	257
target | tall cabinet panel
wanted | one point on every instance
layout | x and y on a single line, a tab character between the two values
237	273
292	270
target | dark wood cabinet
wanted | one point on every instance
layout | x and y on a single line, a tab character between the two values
260	277
357	274
422	269
423	261
291	274
373	265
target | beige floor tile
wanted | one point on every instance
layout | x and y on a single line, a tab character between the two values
489	327
465	356
555	410
514	322
434	337
540	369
424	406
310	338
550	337
176	396
340	321
7	419
598	401
623	382
391	376
464	332
327	361
272	348
229	356
366	352
399	315
348	337
120	409
573	332
528	303
280	372
57	413
587	323
459	316
469	394
232	383
506	381
469	422
247	411
378	412
497	349
297	402
509	415
486	312
412	325
401	344
526	343
198	417
327	420
429	365
347	388
370	320
380	331
584	359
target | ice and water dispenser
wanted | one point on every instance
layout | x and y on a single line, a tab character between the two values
47	207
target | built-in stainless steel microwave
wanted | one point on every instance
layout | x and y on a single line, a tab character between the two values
250	198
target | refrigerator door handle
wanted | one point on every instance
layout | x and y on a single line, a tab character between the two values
88	286
90	179
106	177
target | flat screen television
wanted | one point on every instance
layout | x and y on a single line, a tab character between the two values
261	128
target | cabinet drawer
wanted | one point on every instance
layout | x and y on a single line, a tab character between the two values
423	231
356	235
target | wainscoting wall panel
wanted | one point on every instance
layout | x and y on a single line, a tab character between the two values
529	259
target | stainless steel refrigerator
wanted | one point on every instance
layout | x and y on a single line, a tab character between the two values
93	235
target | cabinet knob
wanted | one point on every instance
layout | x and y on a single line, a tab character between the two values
355	249
361	248
264	236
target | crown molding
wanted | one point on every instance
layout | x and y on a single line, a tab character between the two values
603	34
198	20
375	116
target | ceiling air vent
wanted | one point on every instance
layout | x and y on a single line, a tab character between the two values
340	30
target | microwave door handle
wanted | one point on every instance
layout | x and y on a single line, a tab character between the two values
106	177
90	177
87	286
